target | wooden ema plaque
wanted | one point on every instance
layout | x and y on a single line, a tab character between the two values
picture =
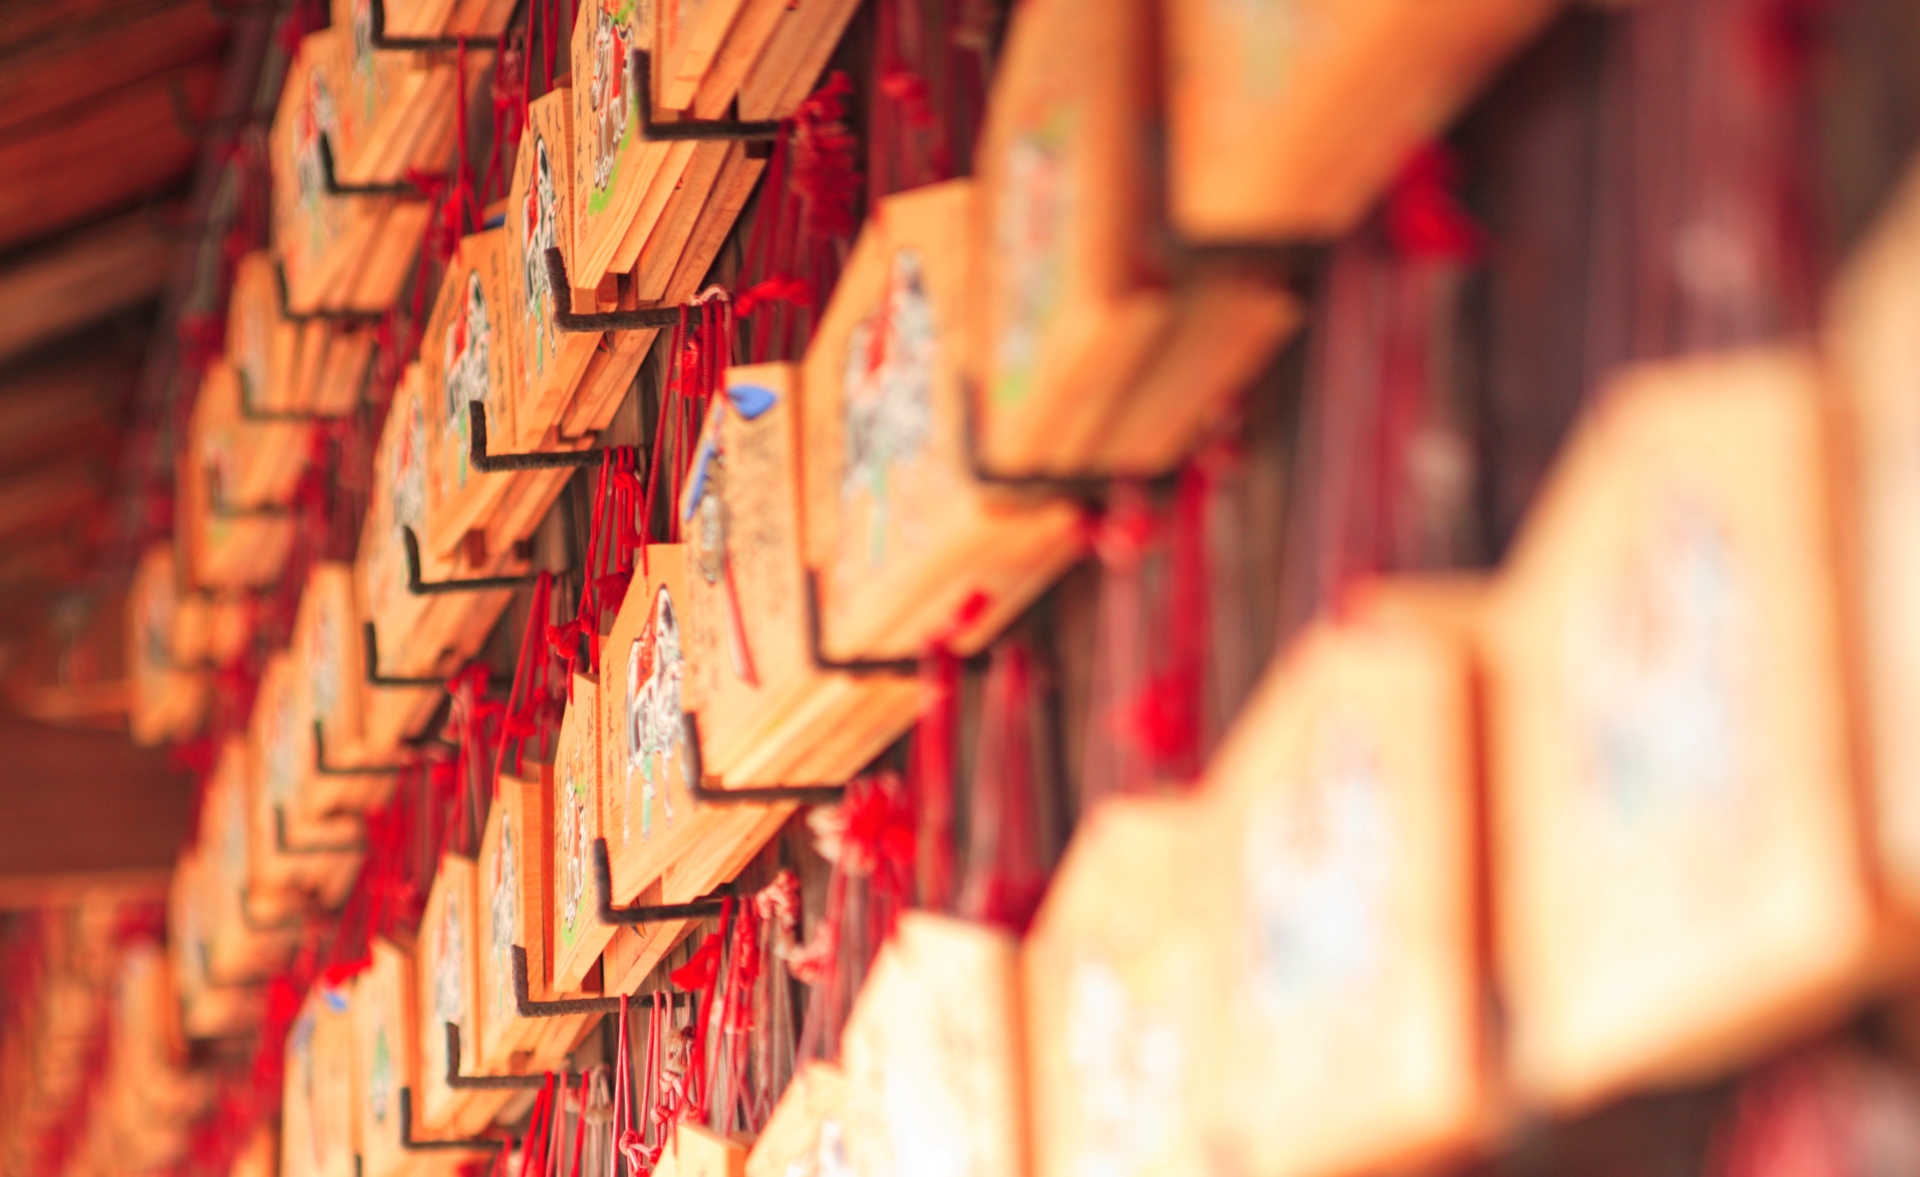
1354	979
907	544
1090	356
657	833
168	699
470	353
319	239
293	847
612	164
386	1059
515	878
540	217
1285	121
207	1010
418	634
932	1052
261	342
1675	833
578	935
330	660
230	542
330	665
449	986
806	1135
252	928
1875	366
317	1125
1120	976
768	715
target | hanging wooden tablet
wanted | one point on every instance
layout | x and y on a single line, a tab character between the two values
612	164
515	879
1285	121
293	847
317	1124
933	1054
1678	876
806	1136
1354	979
578	935
318	238
1874	363
386	1059
540	216
260	340
207	1009
252	927
449	954
1120	977
417	634
656	832
329	659
169	697
907	544
768	715
231	475
470	354
1072	298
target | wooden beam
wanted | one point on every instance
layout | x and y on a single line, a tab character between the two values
72	64
85	276
118	149
84	808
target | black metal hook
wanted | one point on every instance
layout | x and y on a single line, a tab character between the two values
566	320
396	189
472	1144
640	74
459	1082
526	1007
370	640
321	766
845	665
707	794
661	913
357	846
472	584
489	463
321	315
